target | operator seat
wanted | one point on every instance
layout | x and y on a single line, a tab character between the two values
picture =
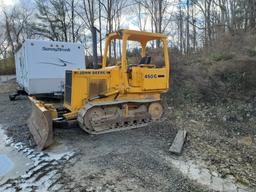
145	60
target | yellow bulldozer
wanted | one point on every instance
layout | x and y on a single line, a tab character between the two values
111	98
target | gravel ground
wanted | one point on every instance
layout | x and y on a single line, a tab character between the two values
15	114
136	160
223	136
122	161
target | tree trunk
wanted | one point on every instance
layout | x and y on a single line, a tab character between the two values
194	29
73	21
100	29
187	29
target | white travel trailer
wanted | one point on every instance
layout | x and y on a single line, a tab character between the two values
41	65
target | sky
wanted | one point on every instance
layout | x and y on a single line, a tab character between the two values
129	19
4	3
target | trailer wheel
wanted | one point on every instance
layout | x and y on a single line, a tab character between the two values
12	97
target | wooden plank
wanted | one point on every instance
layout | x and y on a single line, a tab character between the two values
178	142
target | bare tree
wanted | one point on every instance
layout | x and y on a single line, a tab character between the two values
187	27
56	20
142	16
112	15
16	23
158	11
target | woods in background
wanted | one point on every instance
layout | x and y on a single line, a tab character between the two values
190	24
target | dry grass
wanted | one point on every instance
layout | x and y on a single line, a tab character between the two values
224	71
7	66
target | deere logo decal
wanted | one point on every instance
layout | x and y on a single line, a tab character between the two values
94	72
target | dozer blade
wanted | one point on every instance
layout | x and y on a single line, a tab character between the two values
40	124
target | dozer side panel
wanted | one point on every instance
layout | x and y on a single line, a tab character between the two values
148	79
135	79
154	79
88	84
97	87
76	90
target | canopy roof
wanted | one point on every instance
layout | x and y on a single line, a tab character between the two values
139	36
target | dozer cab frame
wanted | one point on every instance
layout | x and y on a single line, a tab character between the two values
118	97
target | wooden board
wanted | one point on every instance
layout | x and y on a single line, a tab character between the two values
178	142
